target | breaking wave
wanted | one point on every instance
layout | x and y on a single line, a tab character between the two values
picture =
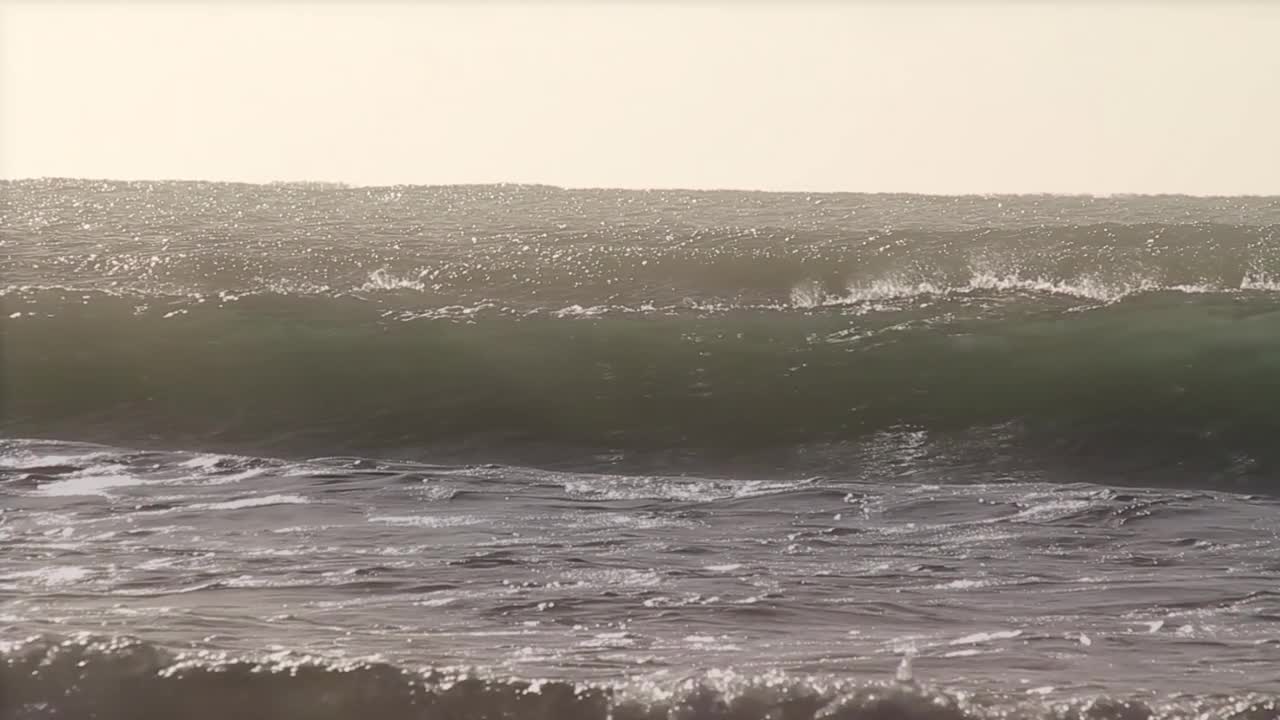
315	319
1185	379
118	678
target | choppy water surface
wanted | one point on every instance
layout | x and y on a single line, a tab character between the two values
300	451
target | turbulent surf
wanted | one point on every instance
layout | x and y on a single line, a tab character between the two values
641	438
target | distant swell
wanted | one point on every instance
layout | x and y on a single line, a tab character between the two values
119	679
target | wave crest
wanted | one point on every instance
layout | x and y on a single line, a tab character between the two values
382	279
810	295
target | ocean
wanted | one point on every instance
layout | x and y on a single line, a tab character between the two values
305	450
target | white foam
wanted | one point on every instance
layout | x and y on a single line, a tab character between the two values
618	520
27	460
1087	287
1260	281
580	311
62	575
209	465
610	640
251	502
234	477
446	312
979	638
436	602
1054	509
1196	288
381	279
88	483
699	639
810	295
1042	690
616	577
203	462
425	521
289	286
625	487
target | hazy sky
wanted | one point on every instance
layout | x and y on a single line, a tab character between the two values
928	97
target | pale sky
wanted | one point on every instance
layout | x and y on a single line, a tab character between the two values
1085	97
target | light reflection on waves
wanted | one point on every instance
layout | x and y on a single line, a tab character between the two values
590	575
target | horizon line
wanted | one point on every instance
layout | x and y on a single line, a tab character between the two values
349	185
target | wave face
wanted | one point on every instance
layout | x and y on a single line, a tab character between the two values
1177	380
556	325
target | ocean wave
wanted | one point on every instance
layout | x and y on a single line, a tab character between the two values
84	676
526	247
552	321
1182	376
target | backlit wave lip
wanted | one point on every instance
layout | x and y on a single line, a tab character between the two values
806	295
